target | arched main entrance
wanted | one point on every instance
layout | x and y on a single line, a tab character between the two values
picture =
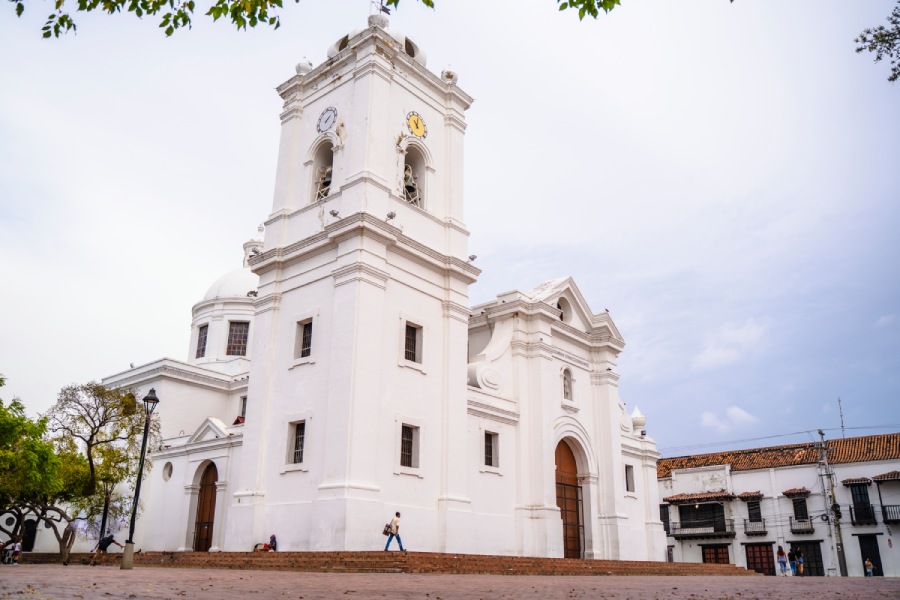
569	501
206	509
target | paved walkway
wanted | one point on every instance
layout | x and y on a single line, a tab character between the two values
55	582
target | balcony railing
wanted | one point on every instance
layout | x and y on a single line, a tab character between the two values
802	525
890	513
715	528
862	514
755	527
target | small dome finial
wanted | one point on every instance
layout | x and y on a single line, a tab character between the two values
304	66
378	20
449	75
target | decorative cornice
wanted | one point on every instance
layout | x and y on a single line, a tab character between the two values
455	310
360	272
166	369
486	411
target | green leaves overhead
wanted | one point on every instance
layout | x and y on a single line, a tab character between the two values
884	42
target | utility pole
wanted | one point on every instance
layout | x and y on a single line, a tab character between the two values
832	508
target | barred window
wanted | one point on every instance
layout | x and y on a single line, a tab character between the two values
201	340
299	435
303	340
413	343
409	446
238	332
491	449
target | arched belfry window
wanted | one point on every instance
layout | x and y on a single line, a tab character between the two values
414	178
323	166
565	310
567	385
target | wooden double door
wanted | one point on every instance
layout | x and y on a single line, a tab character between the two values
206	509
570	501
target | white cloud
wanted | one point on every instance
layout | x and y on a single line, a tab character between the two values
734	417
885	321
729	344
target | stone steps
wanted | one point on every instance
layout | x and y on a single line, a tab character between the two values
397	562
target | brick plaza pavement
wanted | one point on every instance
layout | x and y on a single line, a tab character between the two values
55	582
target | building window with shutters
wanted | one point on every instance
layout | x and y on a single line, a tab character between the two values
664	517
800	511
238	333
202	332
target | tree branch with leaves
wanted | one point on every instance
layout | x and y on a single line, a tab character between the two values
884	42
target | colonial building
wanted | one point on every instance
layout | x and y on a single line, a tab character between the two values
836	501
340	375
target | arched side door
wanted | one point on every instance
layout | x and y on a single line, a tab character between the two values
569	501
206	509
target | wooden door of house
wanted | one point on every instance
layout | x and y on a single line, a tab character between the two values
206	509
760	558
569	501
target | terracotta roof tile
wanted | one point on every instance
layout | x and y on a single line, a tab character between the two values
796	492
890	476
857	480
718	495
840	451
750	495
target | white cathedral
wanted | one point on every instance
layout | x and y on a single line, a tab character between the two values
341	374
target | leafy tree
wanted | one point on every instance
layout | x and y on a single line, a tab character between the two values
29	467
177	14
884	42
105	426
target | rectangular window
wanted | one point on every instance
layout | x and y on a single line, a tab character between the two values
629	478
299	435
201	340
409	447
303	339
491	449
413	343
800	512
754	512
243	407
664	517
238	332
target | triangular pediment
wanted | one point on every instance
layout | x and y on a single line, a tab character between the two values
564	292
211	429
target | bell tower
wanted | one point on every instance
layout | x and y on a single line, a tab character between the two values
357	394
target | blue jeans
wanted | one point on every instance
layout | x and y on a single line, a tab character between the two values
399	541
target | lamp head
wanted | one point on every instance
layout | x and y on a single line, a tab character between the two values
150	401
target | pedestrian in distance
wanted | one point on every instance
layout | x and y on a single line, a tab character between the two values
782	560
870	568
17	549
273	543
800	561
792	559
395	533
102	549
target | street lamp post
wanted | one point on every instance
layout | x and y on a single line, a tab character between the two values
150	402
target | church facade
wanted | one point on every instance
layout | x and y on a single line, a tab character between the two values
340	375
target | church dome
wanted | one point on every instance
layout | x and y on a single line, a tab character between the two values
236	284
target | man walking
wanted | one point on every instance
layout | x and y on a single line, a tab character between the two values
102	547
395	532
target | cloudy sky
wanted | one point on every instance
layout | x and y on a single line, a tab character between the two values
724	178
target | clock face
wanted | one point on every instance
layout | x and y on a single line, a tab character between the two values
416	125
327	119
